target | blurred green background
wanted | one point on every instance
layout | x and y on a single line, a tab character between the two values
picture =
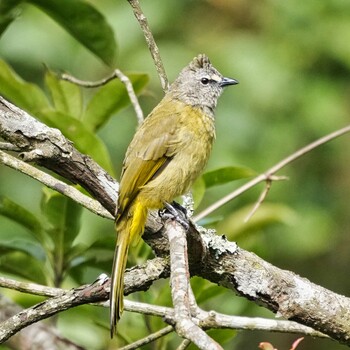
292	60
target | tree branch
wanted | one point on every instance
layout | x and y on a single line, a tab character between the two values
38	336
136	279
49	148
210	256
152	46
100	291
55	184
180	289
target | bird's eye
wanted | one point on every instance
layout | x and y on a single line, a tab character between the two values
205	81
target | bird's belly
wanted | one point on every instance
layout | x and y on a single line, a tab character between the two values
178	176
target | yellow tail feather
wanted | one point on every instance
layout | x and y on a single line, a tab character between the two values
129	228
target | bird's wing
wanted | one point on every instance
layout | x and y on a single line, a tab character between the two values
149	153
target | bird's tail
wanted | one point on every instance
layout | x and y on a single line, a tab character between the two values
129	228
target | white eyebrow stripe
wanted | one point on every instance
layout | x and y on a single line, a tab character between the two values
215	77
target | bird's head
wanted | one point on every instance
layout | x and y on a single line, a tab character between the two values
200	84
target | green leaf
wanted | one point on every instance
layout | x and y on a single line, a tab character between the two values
84	140
218	177
75	254
25	95
98	255
222	336
22	216
64	216
66	97
209	293
198	191
267	214
7	13
205	290
23	265
8	5
224	175
110	99
23	245
85	23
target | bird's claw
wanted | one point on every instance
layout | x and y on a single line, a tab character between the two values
176	212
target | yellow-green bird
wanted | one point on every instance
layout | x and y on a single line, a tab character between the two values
167	154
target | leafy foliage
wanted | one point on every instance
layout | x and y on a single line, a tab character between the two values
66	111
292	60
83	21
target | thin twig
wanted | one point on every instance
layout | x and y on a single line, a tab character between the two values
263	195
206	319
133	98
55	184
184	344
152	46
271	171
88	84
28	287
6	146
261	198
149	339
116	74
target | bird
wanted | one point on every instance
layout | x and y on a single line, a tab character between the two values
166	155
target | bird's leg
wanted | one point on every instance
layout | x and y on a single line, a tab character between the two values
179	207
174	212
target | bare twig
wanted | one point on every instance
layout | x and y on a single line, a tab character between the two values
28	287
6	146
267	174
116	74
149	339
263	195
133	98
135	279
46	309
261	198
88	84
98	291
55	184
152	46
180	287
184	344
37	336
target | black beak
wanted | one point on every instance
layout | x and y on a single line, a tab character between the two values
227	82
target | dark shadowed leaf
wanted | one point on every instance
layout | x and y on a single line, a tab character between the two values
85	23
8	13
